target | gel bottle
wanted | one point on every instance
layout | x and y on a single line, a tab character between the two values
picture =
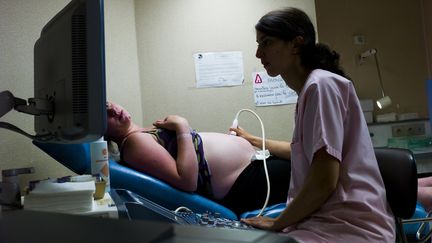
99	161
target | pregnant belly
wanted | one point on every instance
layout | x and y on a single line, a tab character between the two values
227	157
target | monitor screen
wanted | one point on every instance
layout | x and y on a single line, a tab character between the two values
69	74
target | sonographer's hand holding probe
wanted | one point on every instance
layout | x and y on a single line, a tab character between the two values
233	127
240	132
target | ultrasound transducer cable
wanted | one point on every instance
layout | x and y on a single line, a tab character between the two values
235	125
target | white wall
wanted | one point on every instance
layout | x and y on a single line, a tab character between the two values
169	32
122	73
20	24
149	65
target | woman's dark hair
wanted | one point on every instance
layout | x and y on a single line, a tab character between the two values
288	23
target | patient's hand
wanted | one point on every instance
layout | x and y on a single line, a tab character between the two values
174	123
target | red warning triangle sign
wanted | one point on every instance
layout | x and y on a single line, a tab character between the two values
258	79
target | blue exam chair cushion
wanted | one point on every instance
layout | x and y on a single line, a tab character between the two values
76	157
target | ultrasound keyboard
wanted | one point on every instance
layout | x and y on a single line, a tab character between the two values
132	206
211	220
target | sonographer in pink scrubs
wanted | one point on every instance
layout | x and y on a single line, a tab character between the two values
336	191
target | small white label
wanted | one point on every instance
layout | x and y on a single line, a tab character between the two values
260	155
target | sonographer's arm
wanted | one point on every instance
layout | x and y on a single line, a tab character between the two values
281	149
319	184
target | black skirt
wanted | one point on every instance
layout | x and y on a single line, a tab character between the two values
249	191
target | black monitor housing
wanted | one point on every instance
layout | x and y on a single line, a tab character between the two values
69	101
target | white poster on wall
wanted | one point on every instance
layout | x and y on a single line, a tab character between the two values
217	69
271	90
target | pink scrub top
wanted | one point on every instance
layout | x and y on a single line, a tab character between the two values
329	115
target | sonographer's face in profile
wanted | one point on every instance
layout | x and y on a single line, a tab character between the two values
118	118
275	54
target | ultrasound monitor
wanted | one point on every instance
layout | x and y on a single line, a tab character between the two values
69	71
69	100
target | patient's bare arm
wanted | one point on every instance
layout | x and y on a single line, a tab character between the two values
186	161
281	149
142	152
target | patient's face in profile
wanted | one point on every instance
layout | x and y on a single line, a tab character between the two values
118	118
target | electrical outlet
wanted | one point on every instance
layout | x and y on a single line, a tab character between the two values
405	130
359	39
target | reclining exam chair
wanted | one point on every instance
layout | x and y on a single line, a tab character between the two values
76	157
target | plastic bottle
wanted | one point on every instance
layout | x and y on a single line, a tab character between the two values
99	161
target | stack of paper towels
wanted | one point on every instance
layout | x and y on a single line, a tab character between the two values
65	197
